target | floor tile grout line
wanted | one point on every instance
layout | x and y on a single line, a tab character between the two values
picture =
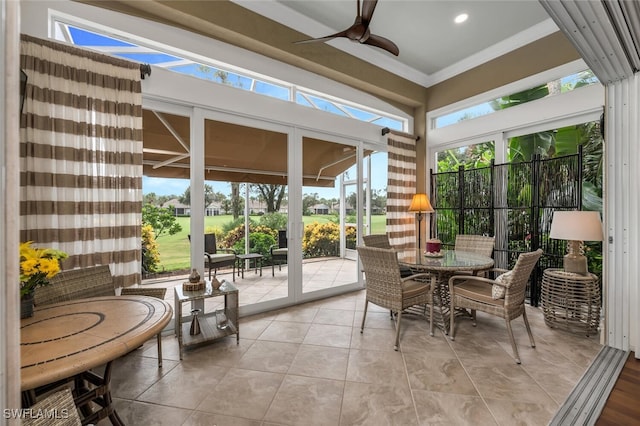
473	382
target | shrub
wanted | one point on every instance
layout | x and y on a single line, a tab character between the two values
217	231
150	252
258	243
161	220
321	240
236	234
274	220
229	226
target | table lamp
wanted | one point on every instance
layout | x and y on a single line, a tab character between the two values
576	227
420	204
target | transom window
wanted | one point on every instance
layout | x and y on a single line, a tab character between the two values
223	74
563	85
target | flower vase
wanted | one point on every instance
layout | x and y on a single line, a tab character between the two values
26	306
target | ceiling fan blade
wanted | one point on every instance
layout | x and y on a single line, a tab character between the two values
382	43
368	7
326	38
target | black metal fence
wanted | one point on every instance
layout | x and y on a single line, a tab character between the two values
513	202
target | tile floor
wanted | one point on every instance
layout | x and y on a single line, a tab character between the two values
309	365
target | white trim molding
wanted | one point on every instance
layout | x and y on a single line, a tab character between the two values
620	277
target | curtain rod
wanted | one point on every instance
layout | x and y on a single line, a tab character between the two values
395	132
145	69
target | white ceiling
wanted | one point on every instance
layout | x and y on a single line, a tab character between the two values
432	47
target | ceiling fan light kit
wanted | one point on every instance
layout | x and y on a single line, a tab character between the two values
359	31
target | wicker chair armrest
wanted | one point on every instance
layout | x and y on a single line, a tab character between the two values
208	256
487	281
158	292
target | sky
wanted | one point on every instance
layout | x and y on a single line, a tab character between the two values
166	186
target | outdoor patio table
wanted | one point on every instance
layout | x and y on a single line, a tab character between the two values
442	268
64	341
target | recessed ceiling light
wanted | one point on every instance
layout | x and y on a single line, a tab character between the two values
461	18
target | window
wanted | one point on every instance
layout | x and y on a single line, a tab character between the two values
563	85
221	74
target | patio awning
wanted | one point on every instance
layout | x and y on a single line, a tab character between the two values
235	153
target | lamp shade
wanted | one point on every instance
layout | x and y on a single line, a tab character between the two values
576	225
420	204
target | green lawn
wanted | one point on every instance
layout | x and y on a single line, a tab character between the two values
174	249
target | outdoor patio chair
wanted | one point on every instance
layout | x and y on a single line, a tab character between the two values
217	257
503	297
279	252
385	287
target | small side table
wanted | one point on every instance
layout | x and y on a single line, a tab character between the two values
208	323
571	301
255	257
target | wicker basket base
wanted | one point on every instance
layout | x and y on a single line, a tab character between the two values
187	286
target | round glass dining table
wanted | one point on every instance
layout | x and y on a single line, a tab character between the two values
442	267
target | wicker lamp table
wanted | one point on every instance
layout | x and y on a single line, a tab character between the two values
571	301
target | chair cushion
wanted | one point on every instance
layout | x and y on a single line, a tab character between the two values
477	290
222	257
280	251
497	292
411	288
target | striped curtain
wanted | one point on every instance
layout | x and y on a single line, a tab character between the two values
81	157
401	187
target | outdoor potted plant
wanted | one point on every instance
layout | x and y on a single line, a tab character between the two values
37	267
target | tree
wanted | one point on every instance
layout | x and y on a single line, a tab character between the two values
271	194
209	196
150	198
226	205
161	220
236	205
164	198
219	197
308	201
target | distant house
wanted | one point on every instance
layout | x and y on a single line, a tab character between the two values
257	207
320	209
178	208
213	209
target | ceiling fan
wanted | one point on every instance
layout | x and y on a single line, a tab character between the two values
359	31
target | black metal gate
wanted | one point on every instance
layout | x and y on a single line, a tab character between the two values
513	202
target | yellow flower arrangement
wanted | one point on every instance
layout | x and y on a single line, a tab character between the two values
37	266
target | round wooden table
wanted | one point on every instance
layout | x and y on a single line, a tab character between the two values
65	340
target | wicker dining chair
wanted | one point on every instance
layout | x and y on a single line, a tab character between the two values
92	281
382	241
59	403
503	296
387	289
475	244
377	240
